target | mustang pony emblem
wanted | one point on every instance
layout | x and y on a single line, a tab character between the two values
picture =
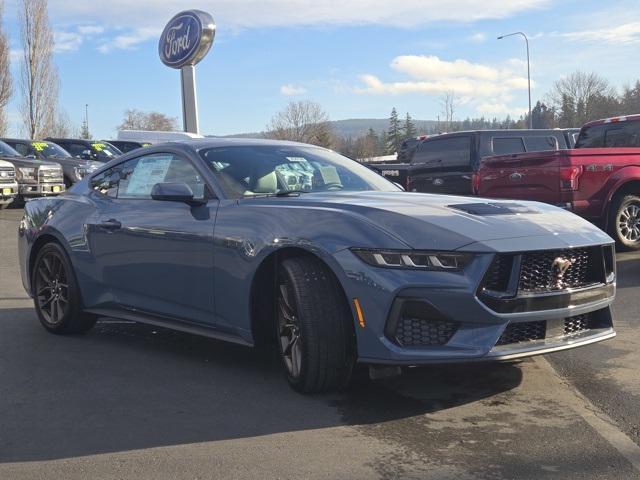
560	267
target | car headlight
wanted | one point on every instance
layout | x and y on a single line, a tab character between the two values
414	259
26	173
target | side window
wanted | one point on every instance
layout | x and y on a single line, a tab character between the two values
106	182
591	137
21	148
75	149
506	145
447	152
624	134
139	175
539	144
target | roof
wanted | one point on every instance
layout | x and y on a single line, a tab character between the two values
623	118
200	143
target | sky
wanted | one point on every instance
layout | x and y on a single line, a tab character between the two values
356	58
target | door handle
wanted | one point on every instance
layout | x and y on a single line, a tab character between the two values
110	224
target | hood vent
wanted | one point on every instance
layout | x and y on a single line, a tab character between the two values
485	209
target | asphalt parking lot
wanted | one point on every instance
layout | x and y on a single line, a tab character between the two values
131	401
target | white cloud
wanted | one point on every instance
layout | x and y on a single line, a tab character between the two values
487	88
479	37
291	90
130	40
628	33
16	54
431	75
67	41
90	29
258	13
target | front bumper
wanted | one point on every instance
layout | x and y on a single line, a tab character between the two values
454	296
41	189
8	191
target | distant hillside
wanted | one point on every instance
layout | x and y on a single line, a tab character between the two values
355	127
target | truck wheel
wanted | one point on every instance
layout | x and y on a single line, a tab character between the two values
625	222
314	327
55	293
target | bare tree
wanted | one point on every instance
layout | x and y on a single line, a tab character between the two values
581	97
38	76
302	121
150	121
449	103
6	84
62	127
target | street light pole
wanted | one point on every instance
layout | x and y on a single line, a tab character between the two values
528	70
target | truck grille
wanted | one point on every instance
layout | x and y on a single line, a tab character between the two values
7	175
50	175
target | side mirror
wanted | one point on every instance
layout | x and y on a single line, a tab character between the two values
32	156
175	192
85	155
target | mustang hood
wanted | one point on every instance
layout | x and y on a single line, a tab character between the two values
425	221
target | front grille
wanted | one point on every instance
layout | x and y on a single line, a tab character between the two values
577	324
7	175
523	332
539	274
554	329
50	175
420	332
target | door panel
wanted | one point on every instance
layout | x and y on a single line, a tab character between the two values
155	256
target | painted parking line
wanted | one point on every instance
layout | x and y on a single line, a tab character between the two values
596	418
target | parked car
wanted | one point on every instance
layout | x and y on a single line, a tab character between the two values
598	180
35	178
87	149
208	237
8	184
447	163
125	146
74	169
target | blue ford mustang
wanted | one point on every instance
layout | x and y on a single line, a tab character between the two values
255	240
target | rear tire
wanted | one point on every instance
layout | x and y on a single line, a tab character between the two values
314	327
624	225
56	294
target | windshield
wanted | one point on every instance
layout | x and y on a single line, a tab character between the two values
7	151
245	171
48	149
105	151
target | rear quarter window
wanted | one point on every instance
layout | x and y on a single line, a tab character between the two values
540	143
446	152
506	146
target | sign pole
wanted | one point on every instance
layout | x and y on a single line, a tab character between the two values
189	99
186	40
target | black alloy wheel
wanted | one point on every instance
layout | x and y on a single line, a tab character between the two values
56	294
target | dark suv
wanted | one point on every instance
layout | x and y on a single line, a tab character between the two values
87	149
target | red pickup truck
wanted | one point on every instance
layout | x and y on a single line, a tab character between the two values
598	180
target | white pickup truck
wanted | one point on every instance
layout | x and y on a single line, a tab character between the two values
8	184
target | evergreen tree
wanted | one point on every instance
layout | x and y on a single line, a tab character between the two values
394	136
409	127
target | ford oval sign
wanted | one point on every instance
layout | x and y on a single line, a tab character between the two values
187	38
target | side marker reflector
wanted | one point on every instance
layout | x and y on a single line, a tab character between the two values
356	303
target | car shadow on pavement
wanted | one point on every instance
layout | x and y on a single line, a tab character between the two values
126	386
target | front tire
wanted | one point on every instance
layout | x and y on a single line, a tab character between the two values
56	294
625	222
314	327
